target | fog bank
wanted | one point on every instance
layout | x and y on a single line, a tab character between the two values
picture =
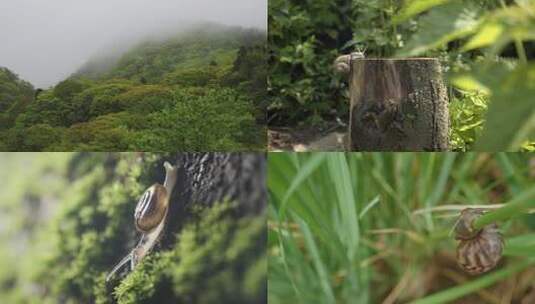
45	41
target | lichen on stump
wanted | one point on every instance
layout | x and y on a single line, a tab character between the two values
397	105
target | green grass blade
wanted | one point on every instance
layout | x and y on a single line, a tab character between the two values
305	171
316	259
522	245
282	249
451	294
439	186
443	24
370	205
516	206
340	177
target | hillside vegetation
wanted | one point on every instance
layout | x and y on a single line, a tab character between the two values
14	94
200	90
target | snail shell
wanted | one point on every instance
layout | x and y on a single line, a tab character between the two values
151	208
479	250
342	64
151	211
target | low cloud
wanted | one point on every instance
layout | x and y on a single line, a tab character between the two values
46	41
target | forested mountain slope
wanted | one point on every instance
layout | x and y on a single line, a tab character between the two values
14	95
199	90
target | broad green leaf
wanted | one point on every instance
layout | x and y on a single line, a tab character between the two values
443	24
510	118
469	83
503	26
487	34
415	7
523	2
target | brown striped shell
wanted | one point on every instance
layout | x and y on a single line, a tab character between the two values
151	208
479	250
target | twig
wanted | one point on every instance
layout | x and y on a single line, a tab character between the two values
461	207
410	234
455	208
395	293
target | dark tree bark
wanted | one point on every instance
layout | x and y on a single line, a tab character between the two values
208	178
214	177
397	105
205	180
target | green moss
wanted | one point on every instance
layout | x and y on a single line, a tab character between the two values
217	259
215	253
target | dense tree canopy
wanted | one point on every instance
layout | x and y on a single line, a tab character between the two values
14	95
202	89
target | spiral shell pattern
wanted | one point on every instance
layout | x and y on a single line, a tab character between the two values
151	208
480	250
342	64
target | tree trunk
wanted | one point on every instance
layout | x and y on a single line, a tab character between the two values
397	105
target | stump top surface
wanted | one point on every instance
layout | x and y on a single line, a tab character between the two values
398	59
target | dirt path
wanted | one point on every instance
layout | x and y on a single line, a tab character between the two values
302	139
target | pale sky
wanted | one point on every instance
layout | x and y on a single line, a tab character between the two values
44	41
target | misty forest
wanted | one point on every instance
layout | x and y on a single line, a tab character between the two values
201	89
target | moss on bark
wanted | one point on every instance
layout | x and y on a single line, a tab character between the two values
212	249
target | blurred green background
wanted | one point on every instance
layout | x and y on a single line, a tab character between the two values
67	218
375	227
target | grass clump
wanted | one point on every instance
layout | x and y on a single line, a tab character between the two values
370	227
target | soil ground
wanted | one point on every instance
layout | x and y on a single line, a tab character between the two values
302	139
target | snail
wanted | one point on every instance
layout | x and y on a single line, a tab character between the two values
150	217
342	64
479	250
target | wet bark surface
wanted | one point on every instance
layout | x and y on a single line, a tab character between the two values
398	105
214	177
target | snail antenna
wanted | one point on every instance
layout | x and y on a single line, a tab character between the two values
170	177
454	226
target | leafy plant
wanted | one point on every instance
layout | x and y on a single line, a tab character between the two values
305	38
467	115
510	118
485	48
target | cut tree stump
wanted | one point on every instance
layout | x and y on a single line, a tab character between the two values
397	105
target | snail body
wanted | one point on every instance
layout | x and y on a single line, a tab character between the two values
479	250
150	218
